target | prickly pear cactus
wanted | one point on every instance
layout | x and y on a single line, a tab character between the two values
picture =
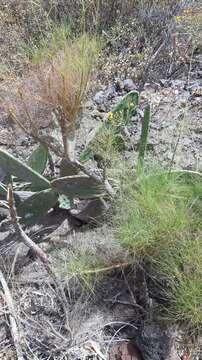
111	131
36	206
78	186
38	159
13	166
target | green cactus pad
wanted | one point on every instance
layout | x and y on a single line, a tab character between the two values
38	159
36	206
132	98
13	166
68	168
80	186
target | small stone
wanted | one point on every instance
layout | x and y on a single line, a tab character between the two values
97	114
153	342
119	85
110	92
129	85
178	83
89	105
125	351
99	98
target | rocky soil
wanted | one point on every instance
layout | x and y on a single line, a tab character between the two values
102	321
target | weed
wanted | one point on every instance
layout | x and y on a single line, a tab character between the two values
58	83
65	79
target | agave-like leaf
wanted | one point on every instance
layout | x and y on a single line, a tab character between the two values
13	166
36	206
38	159
78	186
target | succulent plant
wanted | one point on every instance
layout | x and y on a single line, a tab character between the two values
44	195
14	166
118	119
38	159
78	186
36	206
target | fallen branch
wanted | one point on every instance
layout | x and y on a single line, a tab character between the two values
39	253
12	318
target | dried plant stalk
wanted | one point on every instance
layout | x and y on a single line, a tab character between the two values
56	84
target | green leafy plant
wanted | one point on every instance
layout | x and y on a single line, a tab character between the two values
80	186
59	80
37	205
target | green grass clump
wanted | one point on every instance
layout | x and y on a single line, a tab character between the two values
159	221
152	214
183	270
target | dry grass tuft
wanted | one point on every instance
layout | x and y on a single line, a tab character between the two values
57	84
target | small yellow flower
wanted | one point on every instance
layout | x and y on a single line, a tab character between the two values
178	18
110	116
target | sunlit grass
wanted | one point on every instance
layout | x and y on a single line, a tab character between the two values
159	220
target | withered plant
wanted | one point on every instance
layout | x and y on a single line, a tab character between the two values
64	80
57	85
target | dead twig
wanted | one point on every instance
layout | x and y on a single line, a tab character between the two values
135	305
39	253
104	269
12	318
